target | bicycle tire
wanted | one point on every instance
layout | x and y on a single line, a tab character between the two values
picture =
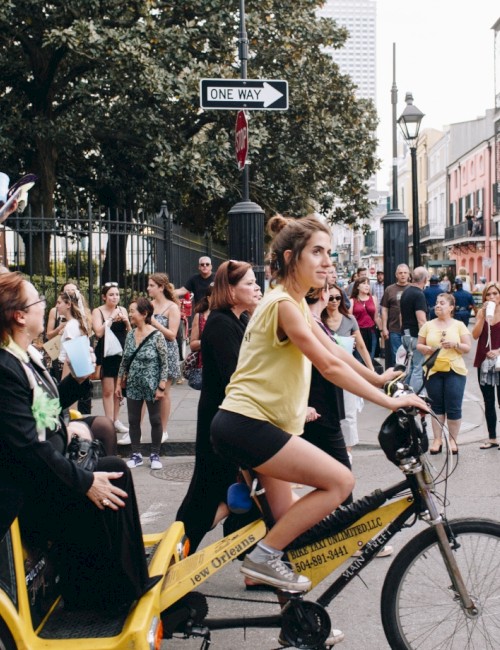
419	609
6	640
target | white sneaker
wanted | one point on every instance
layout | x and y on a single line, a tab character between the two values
134	461
155	461
125	440
120	427
164	437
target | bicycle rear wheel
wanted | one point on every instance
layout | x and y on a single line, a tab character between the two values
420	608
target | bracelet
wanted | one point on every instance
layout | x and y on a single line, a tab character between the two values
162	389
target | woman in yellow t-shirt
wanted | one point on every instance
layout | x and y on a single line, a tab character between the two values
260	421
446	380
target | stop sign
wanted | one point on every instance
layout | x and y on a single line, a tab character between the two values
241	139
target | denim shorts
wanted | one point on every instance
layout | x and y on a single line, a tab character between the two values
446	392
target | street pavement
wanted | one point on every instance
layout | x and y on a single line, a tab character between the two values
472	491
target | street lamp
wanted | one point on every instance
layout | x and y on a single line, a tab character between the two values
409	123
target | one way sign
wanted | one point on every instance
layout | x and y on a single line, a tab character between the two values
250	94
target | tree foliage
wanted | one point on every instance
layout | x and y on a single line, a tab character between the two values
101	98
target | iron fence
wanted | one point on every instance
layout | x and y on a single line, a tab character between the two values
90	246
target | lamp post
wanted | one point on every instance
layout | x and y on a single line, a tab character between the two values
246	218
409	122
395	223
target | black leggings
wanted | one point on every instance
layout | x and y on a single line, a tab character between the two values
489	405
134	407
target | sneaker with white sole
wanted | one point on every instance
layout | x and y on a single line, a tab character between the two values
124	440
155	461
164	437
384	552
335	636
134	461
120	427
273	571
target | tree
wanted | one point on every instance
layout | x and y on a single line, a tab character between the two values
101	100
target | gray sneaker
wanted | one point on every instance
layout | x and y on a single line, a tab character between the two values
273	571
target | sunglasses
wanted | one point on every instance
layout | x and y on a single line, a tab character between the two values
40	299
110	284
443	336
205	264
336	298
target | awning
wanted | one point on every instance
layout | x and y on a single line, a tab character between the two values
441	263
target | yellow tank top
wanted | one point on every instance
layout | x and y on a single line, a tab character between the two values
272	379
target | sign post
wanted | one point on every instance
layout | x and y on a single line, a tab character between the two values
241	139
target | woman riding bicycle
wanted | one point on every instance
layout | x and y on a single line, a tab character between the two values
261	419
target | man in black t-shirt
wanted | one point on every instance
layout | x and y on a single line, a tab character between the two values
198	284
413	307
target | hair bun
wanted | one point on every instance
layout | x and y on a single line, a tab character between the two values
277	223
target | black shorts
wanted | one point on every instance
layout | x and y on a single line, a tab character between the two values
246	441
111	365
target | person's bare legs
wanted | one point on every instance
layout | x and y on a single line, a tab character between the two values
166	405
437	431
300	461
108	397
454	429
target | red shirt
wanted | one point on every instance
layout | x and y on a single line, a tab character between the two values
482	343
364	312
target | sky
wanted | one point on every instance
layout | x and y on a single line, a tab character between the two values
444	57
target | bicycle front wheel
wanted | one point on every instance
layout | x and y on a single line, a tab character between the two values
420	608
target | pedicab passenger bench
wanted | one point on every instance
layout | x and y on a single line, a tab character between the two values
32	614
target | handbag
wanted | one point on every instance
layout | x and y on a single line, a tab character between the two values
195	378
496	364
53	347
112	345
124	377
190	363
85	453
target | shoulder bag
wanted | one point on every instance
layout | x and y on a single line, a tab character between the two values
124	378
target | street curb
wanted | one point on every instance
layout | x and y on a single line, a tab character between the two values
167	449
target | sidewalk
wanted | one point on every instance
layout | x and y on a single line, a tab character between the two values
182	424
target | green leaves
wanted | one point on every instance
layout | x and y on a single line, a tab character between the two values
103	97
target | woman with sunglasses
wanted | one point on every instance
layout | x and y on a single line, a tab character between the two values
344	327
166	319
446	379
89	519
111	315
487	333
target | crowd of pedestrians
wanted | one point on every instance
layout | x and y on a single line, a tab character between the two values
299	360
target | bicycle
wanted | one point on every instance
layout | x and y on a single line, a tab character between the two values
441	590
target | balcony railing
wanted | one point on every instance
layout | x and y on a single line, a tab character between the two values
431	231
458	231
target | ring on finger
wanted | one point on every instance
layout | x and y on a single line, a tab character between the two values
106	502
